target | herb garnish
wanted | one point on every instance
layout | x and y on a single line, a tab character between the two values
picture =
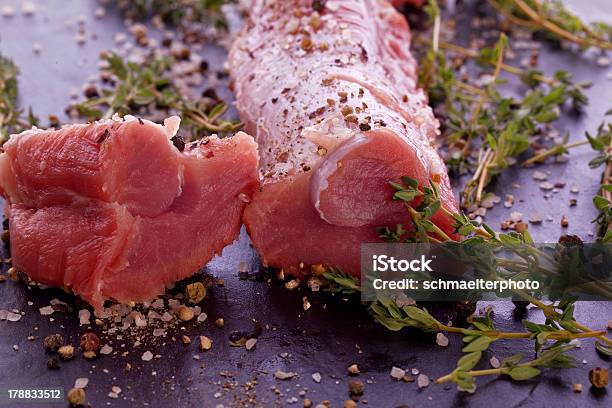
176	12
12	119
602	143
559	326
552	17
473	117
149	86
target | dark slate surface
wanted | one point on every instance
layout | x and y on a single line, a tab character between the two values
328	337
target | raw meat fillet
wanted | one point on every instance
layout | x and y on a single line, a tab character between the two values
115	210
331	97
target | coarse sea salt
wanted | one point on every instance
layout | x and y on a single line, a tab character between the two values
84	316
46	310
81	382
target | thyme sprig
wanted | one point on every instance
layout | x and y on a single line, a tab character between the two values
559	327
602	143
149	86
481	117
480	243
599	142
12	120
465	376
553	18
340	282
176	12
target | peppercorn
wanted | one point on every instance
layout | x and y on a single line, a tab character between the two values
53	342
91	91
318	5
185	313
520	304
178	142
599	377
356	387
76	396
195	292
66	352
349	404
205	343
90	342
353	369
52	364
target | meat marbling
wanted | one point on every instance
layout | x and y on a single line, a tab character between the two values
328	89
114	210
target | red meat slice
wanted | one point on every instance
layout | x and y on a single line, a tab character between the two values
131	214
331	97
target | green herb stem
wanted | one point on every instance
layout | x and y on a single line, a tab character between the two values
508	68
554	28
550	313
553	151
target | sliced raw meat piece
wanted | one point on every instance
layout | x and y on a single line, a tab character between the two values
93	232
138	169
331	97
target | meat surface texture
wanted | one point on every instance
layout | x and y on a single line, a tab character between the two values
330	95
114	210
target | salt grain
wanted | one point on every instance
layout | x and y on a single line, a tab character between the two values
285	375
316	377
397	373
120	38
535	218
84	316
100	12
13	317
80	38
147	356
158	332
8	11
250	344
422	381
106	349
603	61
494	361
158	304
442	340
546	185
81	382
46	311
28	9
